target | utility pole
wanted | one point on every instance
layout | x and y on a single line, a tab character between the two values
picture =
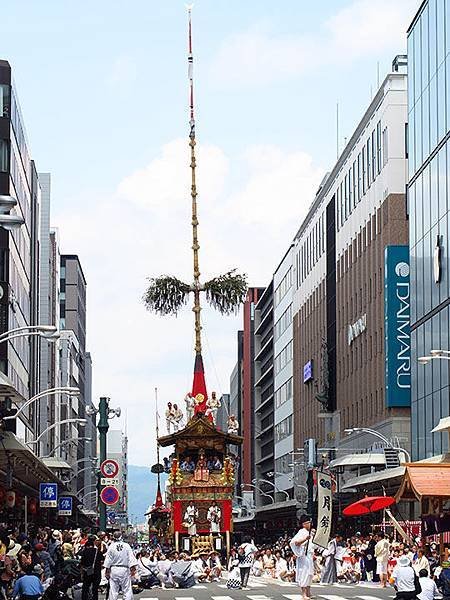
103	426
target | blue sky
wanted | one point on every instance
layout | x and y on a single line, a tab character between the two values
103	89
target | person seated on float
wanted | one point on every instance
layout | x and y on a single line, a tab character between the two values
187	465
201	472
216	464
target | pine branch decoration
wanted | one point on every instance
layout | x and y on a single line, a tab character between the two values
166	295
226	292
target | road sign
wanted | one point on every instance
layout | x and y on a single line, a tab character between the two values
64	506
109	468
111	516
48	495
109	495
106	481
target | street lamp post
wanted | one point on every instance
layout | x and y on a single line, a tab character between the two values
244	485
53	425
379	436
70	391
275	488
105	413
64	442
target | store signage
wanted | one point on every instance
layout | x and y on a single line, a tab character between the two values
308	371
109	468
109	495
397	315
107	481
324	509
48	495
356	329
65	506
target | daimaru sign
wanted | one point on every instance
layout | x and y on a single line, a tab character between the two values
397	316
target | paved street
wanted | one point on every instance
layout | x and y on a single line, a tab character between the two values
268	590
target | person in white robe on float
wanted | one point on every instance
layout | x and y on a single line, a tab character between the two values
303	548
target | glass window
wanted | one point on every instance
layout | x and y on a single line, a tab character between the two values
350	192
411	74
359	177
374	156
385	146
4	156
346	196
426	199
434	197
417	63
440	23
369	161
424	103
379	147
418	141
364	175
4	100
411	145
447	27
425	48
355	185
441	108
432	30
442	183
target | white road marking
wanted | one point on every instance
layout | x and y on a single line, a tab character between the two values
260	597
294	596
369	597
221	598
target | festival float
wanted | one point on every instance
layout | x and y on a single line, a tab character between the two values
201	471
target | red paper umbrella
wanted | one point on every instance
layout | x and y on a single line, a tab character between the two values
368	505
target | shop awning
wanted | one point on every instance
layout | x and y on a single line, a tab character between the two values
28	470
443	425
359	460
425	479
377	477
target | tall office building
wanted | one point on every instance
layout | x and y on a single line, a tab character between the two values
429	231
19	253
235	402
76	367
351	302
264	380
283	351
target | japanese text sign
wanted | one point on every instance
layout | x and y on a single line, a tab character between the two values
325	509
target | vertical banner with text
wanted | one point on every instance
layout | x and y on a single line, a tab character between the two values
324	509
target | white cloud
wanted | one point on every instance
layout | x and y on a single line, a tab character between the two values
260	57
144	230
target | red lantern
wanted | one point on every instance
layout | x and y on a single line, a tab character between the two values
10	498
32	506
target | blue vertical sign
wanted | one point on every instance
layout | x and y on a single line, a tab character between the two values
397	320
48	495
65	506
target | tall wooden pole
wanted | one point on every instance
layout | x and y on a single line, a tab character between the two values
195	245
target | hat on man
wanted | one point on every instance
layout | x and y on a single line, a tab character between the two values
39	547
404	561
38	570
305	519
56	535
117	535
13	548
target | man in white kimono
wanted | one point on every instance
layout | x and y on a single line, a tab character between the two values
189	519
213	517
303	548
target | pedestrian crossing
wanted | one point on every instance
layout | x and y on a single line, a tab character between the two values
319	596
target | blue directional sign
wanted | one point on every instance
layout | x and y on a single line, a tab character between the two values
48	495
65	506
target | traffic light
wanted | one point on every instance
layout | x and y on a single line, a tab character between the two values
310	453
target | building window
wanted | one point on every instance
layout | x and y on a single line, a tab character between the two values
5	100
364	170
379	147
283	287
283	323
282	464
284	393
368	166
283	358
283	429
385	146
4	156
374	157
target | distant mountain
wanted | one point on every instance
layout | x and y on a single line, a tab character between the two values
142	484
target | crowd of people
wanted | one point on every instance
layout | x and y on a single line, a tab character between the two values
47	563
